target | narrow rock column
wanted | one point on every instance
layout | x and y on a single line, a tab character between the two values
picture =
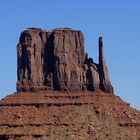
105	84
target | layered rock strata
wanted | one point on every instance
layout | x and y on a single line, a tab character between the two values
56	60
67	116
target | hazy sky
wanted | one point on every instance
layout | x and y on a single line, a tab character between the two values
118	21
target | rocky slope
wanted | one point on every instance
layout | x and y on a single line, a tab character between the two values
67	116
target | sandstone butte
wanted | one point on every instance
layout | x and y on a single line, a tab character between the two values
62	94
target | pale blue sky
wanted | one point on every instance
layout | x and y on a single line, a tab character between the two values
118	21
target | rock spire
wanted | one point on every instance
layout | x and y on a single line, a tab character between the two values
105	84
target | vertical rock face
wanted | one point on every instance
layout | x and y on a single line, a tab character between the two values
68	57
56	60
30	61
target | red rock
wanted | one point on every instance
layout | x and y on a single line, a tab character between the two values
50	62
67	115
56	60
105	84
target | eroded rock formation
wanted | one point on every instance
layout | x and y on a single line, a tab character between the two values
56	60
105	84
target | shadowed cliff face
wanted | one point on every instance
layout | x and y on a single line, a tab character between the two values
56	60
